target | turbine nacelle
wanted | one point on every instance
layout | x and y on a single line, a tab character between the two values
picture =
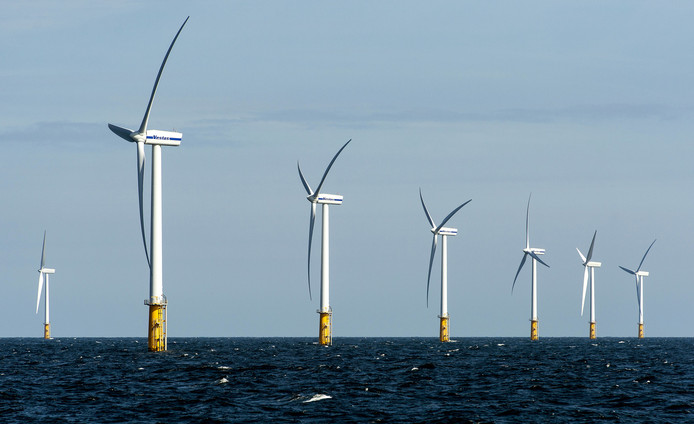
325	199
593	264
163	138
47	270
534	250
641	273
445	231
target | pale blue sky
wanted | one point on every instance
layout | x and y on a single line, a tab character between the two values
588	105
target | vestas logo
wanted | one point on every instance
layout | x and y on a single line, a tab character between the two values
159	137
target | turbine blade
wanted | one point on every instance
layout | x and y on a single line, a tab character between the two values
638	294
38	296
644	256
145	119
431	262
310	239
121	132
590	250
140	190
585	285
525	255
43	250
325	174
450	215
537	258
583	258
303	180
628	270
426	211
527	223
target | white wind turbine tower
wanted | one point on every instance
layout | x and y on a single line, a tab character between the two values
445	232
156	337
638	274
589	265
44	273
533	252
325	336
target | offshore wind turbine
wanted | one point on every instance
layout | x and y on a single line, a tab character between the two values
325	323
638	274
445	232
157	302
589	265
533	252
43	274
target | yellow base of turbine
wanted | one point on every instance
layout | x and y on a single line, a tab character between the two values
640	331
46	331
325	328
156	332
444	334
592	330
533	329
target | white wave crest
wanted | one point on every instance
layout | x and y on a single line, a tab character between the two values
317	397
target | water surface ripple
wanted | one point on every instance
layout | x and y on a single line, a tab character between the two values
221	380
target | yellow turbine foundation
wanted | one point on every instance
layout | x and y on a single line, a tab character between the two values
325	328
640	331
156	333
444	334
592	330
533	329
46	331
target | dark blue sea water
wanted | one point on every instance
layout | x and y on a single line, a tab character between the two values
219	380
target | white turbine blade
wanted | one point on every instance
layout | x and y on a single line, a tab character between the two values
537	258
583	258
43	250
644	256
145	119
628	270
426	211
325	174
431	262
590	250
121	132
450	215
303	180
140	190
525	255
527	224
310	238
638	294
585	285
38	296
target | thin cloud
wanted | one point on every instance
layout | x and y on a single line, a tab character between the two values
579	113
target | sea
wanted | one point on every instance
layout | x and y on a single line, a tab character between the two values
360	380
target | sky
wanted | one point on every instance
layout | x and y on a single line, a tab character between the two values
587	106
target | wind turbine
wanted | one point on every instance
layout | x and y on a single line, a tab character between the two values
444	333
533	252
156	337
44	272
589	265
638	274
325	335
